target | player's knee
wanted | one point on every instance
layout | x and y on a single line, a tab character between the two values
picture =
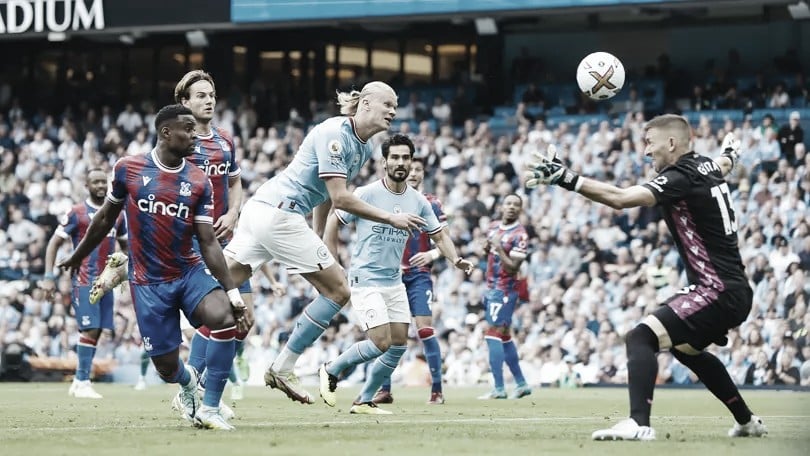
93	333
340	293
640	336
219	317
167	370
382	342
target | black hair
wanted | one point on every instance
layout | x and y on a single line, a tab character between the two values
516	196
170	112
397	140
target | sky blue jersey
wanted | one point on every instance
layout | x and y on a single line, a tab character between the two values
378	250
331	149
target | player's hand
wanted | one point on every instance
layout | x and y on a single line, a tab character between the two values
549	170
225	225
70	264
465	265
278	289
487	246
731	148
241	313
406	221
243	316
48	285
421	259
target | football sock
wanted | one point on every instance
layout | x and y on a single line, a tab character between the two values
85	350
199	346
496	356
240	348
714	375
642	368
310	325
218	359
381	371
145	360
510	355
433	355
358	353
240	344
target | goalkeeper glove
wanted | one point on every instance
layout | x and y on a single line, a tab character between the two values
731	148
548	169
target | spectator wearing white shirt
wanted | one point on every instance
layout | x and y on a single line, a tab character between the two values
129	120
441	110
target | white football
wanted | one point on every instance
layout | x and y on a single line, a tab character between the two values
600	75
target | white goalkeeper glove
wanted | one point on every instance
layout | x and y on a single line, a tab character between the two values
549	170
731	148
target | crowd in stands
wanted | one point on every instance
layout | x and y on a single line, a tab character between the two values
593	271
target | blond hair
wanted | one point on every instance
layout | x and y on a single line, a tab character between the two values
671	122
181	89
349	101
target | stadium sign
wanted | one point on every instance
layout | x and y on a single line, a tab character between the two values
20	16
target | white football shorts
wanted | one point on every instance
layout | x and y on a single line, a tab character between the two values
377	306
265	233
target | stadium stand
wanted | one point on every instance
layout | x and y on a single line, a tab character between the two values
593	271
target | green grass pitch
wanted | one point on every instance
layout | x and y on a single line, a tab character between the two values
40	419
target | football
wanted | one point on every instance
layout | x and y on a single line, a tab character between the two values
600	75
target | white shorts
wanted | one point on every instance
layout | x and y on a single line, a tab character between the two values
377	306
265	233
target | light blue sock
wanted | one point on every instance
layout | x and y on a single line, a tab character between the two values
381	370
495	346
312	323
218	359
510	355
197	350
358	353
433	355
85	350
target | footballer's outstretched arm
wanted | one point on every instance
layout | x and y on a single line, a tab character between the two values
616	197
445	245
345	200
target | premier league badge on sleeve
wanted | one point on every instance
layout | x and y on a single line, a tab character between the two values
335	150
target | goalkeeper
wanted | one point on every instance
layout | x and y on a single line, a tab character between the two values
695	202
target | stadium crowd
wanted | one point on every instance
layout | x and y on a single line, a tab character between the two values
593	272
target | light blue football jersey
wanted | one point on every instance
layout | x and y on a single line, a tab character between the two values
378	250
331	149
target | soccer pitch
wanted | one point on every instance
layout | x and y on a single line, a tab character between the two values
40	419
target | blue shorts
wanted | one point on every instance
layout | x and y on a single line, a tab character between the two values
92	316
500	307
158	307
419	287
244	288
